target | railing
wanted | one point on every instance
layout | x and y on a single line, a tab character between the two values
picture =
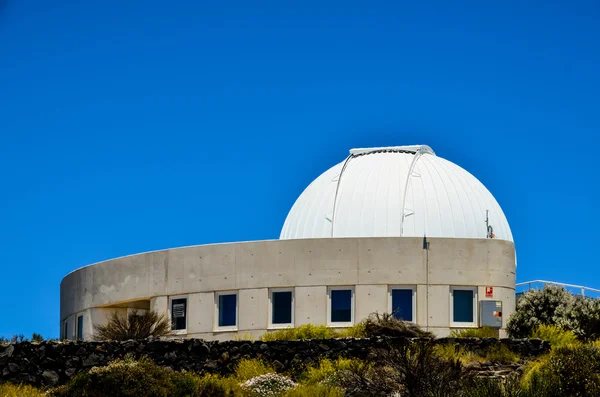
575	289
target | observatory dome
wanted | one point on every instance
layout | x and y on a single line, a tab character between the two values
396	191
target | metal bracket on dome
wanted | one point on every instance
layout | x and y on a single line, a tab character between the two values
412	173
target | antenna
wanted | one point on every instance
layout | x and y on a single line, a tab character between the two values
489	229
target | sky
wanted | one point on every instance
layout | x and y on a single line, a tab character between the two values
130	126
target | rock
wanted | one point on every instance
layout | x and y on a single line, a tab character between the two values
91	360
50	377
323	346
8	352
211	365
264	347
70	372
128	343
14	368
170	356
279	367
5	372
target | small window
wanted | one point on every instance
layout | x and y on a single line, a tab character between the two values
463	301
80	327
282	308
178	314
402	303
226	310
341	306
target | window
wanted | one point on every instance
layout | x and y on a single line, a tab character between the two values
341	306
281	308
227	310
178	309
463	303
402	303
80	327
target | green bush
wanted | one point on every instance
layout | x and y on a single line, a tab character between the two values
565	371
303	332
483	332
130	378
10	390
473	386
554	305
250	368
556	336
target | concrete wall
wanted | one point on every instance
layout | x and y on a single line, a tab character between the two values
370	265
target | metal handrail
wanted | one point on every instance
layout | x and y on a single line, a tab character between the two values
583	289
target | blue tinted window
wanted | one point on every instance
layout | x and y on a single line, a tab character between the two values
227	310
282	307
341	306
463	306
402	304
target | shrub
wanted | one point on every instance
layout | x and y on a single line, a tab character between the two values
413	370
129	378
10	390
451	352
133	326
37	337
303	332
329	372
387	325
356	331
556	336
581	315
570	370
212	385
248	369
268	385
554	305
315	390
483	332
501	354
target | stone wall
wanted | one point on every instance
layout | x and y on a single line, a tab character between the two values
52	363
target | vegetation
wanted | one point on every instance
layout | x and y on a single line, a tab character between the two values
556	336
21	338
483	332
10	390
134	325
131	378
247	369
375	325
554	305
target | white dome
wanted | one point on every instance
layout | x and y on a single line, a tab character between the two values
395	191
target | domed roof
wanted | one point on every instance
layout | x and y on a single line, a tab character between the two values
396	191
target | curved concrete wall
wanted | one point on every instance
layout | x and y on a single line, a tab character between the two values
308	265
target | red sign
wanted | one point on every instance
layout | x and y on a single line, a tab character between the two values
489	292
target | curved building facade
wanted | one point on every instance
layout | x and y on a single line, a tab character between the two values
396	230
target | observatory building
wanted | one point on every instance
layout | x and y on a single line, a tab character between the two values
393	229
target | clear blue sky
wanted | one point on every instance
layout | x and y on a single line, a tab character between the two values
129	126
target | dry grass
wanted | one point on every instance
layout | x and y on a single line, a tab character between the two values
456	352
483	332
10	390
133	326
248	369
557	337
